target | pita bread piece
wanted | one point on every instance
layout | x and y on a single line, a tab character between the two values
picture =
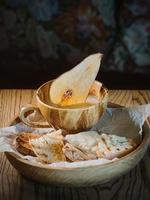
84	141
48	148
117	146
74	154
101	145
22	143
57	134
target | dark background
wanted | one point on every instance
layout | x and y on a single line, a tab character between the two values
40	39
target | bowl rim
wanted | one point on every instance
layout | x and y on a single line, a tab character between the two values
105	99
144	143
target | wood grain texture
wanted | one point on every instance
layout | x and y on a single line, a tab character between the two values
73	119
134	185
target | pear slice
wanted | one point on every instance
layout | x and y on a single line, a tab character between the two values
94	95
95	89
73	86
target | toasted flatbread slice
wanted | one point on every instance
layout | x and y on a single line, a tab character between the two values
25	150
102	146
74	154
48	149
101	149
83	140
117	146
22	143
25	136
57	134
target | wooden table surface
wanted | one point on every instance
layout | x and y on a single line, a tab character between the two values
134	185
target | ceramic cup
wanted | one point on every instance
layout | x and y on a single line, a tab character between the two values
70	119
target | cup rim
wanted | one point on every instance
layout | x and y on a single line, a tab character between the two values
105	99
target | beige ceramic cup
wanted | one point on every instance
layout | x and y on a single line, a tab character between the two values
71	119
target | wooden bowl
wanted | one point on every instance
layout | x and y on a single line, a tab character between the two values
81	176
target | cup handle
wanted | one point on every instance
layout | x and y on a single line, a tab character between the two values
25	111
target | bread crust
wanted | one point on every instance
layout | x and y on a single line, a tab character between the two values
23	145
